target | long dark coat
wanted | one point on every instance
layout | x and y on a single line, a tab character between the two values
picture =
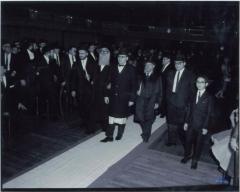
123	90
151	94
101	81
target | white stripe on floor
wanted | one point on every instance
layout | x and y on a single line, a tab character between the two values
84	163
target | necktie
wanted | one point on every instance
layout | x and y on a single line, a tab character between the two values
198	96
178	77
6	62
58	61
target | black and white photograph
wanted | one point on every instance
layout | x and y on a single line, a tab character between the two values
119	95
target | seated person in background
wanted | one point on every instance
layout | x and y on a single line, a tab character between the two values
148	99
196	122
225	150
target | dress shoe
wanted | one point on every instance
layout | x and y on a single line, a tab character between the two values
118	138
107	139
185	159
194	165
168	144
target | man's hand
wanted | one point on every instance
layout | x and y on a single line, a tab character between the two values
23	82
219	94
63	83
55	78
73	93
6	114
185	127
233	144
21	107
130	103
204	131
109	86
106	100
13	73
37	73
156	106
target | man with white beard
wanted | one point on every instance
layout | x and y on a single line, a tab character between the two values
99	114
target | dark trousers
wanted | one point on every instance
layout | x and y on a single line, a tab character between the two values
85	102
48	100
146	129
111	128
194	143
176	132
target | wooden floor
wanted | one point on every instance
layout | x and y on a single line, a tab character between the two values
157	169
148	168
47	140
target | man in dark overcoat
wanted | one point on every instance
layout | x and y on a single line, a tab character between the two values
179	89
148	99
82	86
122	92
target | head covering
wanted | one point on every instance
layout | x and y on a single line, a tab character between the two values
83	47
180	57
123	52
46	49
166	54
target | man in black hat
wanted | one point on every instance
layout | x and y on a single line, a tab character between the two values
82	86
122	93
48	77
179	89
92	51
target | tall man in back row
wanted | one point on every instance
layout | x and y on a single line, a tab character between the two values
122	92
179	89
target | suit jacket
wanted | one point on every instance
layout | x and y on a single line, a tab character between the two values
79	82
123	89
47	71
163	74
25	67
91	57
67	71
9	96
198	115
185	88
12	62
150	94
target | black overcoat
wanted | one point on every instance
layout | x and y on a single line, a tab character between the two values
151	94
123	89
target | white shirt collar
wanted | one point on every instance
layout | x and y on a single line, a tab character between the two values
31	54
164	67
102	67
46	58
84	62
201	92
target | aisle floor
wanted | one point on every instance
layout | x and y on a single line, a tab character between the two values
84	163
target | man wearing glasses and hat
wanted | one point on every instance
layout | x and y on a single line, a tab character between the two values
122	92
179	89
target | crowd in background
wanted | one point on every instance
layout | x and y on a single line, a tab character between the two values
35	75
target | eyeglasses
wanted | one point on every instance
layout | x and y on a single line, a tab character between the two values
104	52
200	82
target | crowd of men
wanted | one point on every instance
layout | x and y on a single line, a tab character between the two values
108	83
